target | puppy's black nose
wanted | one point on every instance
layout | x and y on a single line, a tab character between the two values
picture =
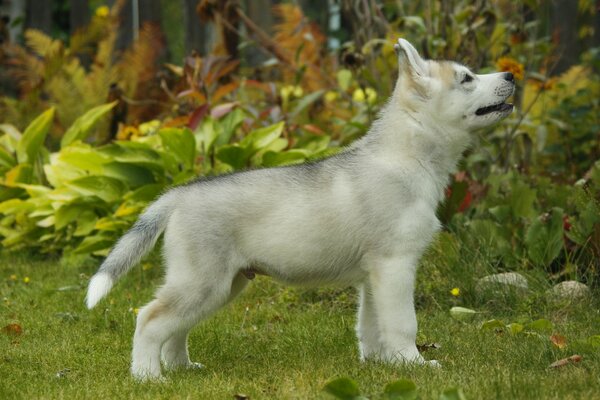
508	76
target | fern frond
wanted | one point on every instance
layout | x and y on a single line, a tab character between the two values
38	41
302	38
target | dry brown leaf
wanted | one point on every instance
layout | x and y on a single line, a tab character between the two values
559	341
566	361
13	329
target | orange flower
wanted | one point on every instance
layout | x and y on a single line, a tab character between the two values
508	64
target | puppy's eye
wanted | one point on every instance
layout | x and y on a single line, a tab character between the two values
467	78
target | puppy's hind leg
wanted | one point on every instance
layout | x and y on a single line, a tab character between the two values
175	350
188	296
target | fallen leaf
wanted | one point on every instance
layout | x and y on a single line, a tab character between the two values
566	361
241	396
559	341
428	346
13	329
462	313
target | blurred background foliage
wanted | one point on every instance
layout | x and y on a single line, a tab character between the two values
105	104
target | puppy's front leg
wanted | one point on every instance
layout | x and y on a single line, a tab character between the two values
392	282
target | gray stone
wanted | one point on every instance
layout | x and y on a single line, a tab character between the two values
503	281
569	290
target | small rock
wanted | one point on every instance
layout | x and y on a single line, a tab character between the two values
569	290
505	280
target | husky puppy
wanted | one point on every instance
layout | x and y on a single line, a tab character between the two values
362	217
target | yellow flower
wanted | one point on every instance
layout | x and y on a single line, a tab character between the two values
149	127
127	133
298	92
102	11
13	277
26	279
286	91
371	95
136	311
455	292
508	64
331	96
358	95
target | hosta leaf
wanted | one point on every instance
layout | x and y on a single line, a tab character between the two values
108	189
82	126
85	157
6	159
34	136
21	173
85	223
13	206
94	243
181	143
133	175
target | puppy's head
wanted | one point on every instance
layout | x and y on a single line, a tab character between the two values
449	93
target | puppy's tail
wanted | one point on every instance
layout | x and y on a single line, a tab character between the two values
130	249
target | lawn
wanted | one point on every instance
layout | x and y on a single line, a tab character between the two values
277	343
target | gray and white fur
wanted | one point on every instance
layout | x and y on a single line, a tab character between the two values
363	217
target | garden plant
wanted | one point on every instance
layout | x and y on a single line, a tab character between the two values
90	134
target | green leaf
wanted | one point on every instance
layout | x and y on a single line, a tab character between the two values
262	137
403	389
135	153
13	206
492	324
228	125
343	388
521	200
86	223
453	394
108	189
84	124
515	328
540	326
181	143
233	155
20	173
94	243
133	175
83	156
34	136
6	159
462	313
305	102
294	156
544	238
145	193
67	214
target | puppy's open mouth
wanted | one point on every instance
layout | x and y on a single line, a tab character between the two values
500	107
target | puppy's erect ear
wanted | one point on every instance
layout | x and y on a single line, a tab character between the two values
409	58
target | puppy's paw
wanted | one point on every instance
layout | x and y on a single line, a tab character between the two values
433	363
195	365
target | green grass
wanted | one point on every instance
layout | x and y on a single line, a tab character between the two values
274	342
